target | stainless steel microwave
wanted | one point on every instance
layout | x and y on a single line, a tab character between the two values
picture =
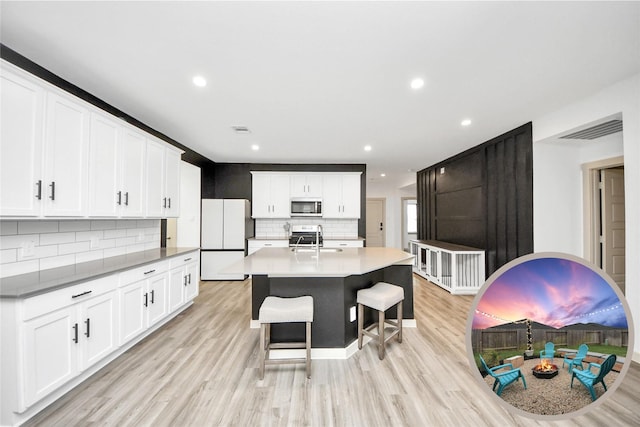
306	207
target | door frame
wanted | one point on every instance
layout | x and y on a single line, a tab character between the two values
403	210
591	205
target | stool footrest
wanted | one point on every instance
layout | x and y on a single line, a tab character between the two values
288	345
284	361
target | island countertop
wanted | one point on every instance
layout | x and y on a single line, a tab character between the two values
284	262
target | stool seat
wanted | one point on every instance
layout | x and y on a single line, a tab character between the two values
381	296
285	310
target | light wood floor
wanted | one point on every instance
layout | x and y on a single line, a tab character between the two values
201	370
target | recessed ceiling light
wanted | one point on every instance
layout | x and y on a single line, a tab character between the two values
255	147
465	122
199	81
383	175
367	148
417	83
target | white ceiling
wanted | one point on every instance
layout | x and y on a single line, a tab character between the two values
316	82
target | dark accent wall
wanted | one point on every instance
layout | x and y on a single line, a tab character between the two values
233	180
482	197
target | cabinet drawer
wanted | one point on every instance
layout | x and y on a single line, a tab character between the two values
51	301
183	259
280	243
342	243
144	272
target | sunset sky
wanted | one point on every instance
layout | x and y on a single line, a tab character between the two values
553	291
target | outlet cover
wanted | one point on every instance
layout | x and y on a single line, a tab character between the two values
352	313
95	242
28	248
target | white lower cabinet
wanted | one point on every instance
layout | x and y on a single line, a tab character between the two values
51	355
346	243
254	245
143	295
61	344
183	280
53	341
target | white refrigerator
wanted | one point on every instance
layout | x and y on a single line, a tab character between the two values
226	226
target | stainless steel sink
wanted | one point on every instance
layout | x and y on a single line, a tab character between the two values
311	250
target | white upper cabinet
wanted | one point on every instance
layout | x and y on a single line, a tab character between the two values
132	172
116	162
341	195
66	157
303	185
21	118
103	163
162	181
172	184
62	157
154	179
270	195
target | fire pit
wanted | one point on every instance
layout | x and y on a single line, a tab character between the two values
545	370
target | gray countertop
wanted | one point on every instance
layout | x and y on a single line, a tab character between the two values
38	282
283	262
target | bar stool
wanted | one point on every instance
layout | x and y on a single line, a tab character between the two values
284	310
381	297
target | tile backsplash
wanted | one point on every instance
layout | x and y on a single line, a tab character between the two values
331	228
33	245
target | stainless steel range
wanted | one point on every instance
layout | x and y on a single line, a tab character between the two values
305	235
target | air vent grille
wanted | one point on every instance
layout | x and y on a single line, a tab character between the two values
240	129
603	129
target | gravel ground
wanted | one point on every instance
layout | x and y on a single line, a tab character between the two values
550	396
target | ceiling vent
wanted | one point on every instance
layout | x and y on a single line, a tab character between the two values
597	131
240	129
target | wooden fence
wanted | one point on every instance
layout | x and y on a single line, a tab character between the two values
505	339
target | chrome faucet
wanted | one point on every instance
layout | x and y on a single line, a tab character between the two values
295	249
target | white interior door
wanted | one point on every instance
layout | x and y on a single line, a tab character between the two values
172	233
189	219
375	223
613	225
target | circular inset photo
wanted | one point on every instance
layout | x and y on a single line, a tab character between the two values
550	336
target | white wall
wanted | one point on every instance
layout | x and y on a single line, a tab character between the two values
188	223
557	230
557	186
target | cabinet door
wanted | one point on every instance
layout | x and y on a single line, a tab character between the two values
98	323
332	196
177	285
192	287
132	164
51	352
280	196
154	188
260	196
351	196
157	298
103	167
66	157
133	310
21	113
172	183
298	184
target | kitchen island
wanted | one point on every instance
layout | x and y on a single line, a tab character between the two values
332	277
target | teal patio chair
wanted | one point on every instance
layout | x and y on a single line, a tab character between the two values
577	359
548	352
590	379
503	379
